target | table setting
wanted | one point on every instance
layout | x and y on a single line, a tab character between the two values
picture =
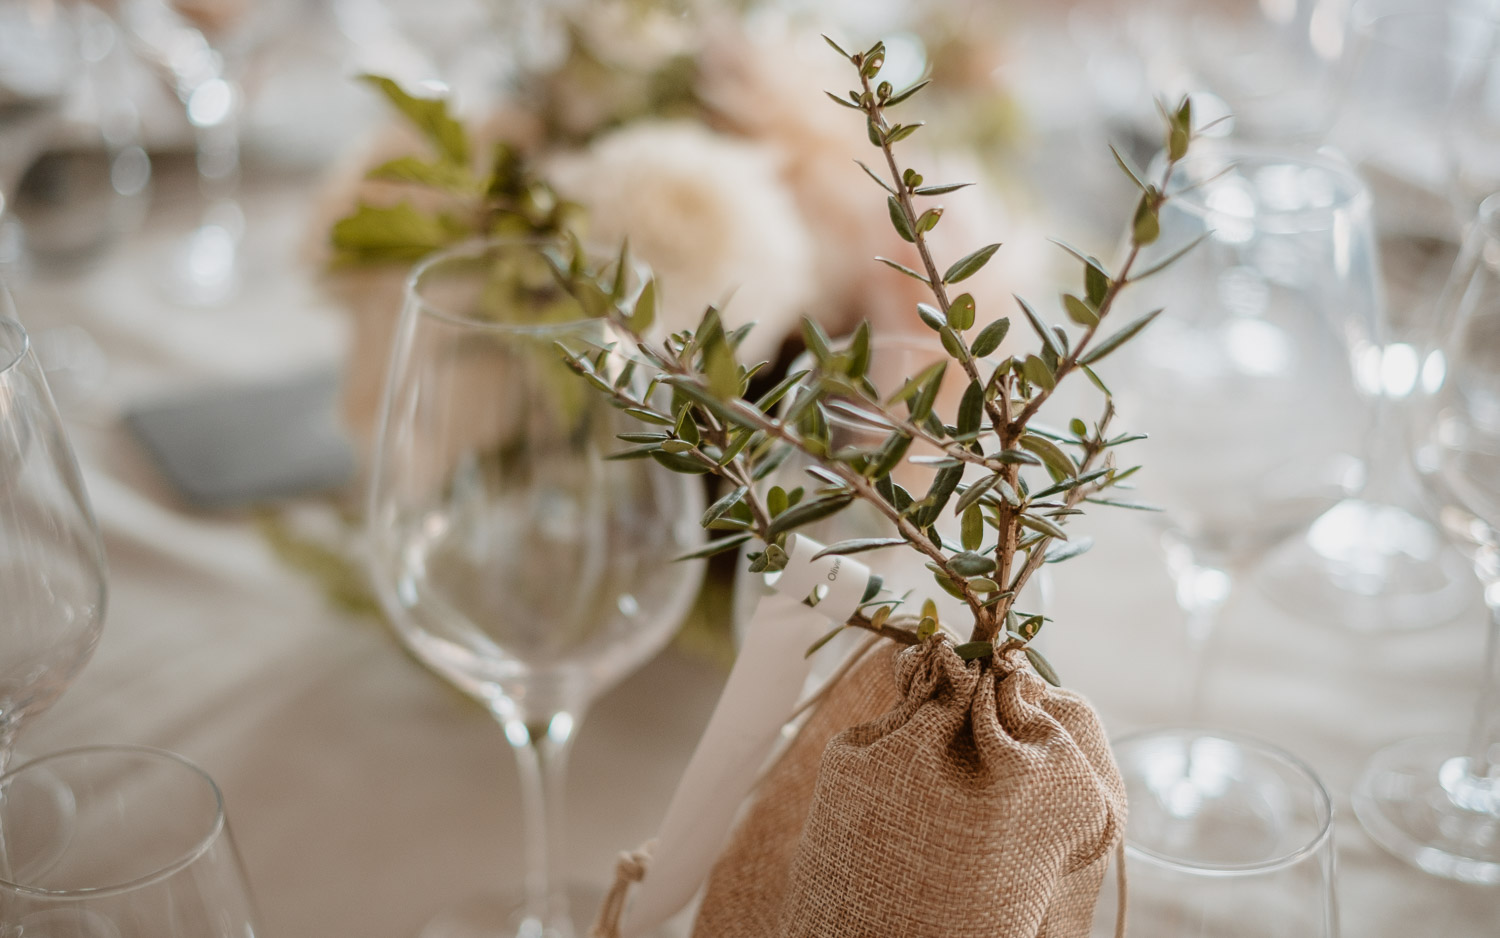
673	467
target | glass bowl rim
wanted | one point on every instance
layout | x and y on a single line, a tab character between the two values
164	871
1312	845
473	248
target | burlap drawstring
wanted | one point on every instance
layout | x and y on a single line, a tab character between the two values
629	868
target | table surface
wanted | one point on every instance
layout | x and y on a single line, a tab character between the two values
365	793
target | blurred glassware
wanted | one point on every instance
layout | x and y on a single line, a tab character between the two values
1435	802
1412	72
86	185
118	842
52	573
1245	386
37	54
203	48
1374	562
1270	66
73	175
513	558
1227	836
894	357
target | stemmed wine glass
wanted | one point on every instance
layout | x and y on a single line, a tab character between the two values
52	576
1247	393
202	48
1372	562
512	556
1245	386
1435	802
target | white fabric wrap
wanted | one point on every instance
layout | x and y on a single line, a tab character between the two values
761	694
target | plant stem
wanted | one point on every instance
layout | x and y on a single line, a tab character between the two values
1106	304
865	490
987	630
1067	364
876	113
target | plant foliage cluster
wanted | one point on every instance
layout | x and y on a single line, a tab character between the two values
1014	486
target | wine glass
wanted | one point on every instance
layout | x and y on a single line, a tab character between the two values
512	556
1373	562
52	576
1244	384
1220	875
203	48
118	842
1435	802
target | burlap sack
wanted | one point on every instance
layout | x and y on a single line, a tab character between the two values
959	801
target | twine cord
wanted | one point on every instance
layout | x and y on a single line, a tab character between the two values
1122	902
630	868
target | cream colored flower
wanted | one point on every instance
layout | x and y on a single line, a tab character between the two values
708	213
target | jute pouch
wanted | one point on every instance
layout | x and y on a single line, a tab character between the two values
952	801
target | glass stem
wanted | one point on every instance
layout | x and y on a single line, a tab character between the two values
542	748
1202	588
7	750
7	745
1484	735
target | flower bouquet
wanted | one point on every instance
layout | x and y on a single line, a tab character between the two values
691	136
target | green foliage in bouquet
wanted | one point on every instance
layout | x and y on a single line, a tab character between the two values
1031	483
506	199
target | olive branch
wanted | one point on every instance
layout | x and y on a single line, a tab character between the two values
1026	483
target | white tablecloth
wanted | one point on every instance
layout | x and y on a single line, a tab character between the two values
365	793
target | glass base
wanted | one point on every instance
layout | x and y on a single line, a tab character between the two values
1370	567
1417	800
1207	800
499	915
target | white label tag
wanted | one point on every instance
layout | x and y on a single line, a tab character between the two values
761	693
838	583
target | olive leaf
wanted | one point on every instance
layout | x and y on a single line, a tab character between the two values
428	115
970	264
